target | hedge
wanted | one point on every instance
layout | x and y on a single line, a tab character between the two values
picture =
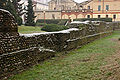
48	21
63	21
40	24
95	19
53	27
53	21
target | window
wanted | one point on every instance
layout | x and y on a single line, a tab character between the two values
107	7
114	16
99	16
54	8
88	16
107	16
81	6
88	7
99	7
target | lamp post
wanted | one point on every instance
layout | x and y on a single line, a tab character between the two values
44	16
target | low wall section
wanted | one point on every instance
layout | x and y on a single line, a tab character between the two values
23	50
115	25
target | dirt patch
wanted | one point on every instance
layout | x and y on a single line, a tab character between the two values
91	58
111	71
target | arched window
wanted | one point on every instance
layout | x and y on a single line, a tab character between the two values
99	16
107	16
114	16
88	16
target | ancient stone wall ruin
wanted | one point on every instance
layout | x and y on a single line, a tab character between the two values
7	22
20	51
116	25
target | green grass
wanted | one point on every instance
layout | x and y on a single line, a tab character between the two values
29	29
80	64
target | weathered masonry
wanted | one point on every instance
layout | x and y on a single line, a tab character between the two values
20	51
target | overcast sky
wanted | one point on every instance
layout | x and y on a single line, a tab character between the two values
79	1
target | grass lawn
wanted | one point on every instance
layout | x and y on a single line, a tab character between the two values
91	62
29	29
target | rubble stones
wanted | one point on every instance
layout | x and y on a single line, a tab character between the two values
18	52
7	22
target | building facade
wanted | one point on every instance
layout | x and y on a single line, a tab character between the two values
47	14
62	5
87	9
105	9
39	5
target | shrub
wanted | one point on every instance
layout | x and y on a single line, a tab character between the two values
40	24
53	27
19	21
62	22
48	21
53	21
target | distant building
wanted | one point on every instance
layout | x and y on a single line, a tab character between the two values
104	9
65	9
55	8
62	5
37	5
40	5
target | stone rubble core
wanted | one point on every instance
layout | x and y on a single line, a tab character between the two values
7	22
20	51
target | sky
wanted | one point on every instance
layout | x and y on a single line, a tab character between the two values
79	1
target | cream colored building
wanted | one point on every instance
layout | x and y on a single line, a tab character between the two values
62	5
55	9
104	8
87	9
47	14
40	6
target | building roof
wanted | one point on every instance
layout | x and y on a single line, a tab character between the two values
85	2
62	1
36	2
